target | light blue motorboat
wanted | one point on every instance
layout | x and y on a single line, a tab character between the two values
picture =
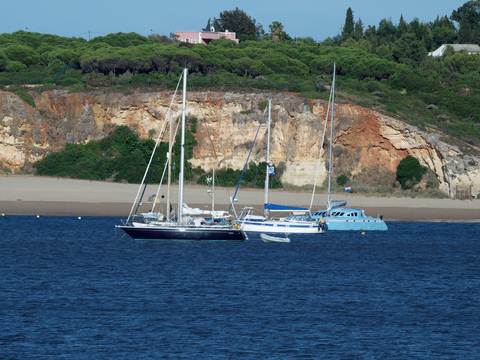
349	219
336	216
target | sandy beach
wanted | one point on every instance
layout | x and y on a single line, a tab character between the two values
30	195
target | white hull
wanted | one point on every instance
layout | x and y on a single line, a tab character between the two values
268	239
280	227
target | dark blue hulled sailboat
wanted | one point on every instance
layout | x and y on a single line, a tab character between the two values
156	226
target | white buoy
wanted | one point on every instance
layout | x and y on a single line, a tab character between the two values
3	214
79	218
363	233
38	216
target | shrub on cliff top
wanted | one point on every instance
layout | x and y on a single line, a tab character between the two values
23	94
342	180
409	172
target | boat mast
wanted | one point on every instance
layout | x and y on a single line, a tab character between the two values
169	169
320	150
267	158
330	151
242	174
213	190
215	163
182	149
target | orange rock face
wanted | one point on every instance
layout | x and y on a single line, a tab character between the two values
368	145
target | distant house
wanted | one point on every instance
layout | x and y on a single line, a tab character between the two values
471	49
204	37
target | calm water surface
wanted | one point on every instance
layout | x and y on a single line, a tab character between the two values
76	289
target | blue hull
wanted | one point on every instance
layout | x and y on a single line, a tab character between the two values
185	233
356	225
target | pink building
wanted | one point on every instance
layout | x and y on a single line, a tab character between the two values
204	37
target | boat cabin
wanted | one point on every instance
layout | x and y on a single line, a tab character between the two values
340	212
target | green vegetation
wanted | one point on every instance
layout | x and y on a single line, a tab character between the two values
277	32
349	26
254	177
121	156
384	66
468	18
23	94
342	180
238	21
409	172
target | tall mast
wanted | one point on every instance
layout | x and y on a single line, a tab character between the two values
320	149
169	170
213	190
330	151
182	148
267	157
215	162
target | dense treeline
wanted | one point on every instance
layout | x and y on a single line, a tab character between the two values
410	42
121	156
384	66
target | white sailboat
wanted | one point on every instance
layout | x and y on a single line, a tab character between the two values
183	227
249	222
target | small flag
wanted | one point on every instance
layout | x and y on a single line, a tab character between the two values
271	170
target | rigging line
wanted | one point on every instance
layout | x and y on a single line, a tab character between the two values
232	199
153	152
138	199
215	156
330	155
317	165
159	186
141	197
165	166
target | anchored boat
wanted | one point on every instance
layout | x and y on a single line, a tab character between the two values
336	216
350	219
187	223
251	223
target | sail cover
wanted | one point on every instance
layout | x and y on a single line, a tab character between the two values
277	207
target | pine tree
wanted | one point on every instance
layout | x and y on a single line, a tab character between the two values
240	22
468	18
358	32
349	26
443	31
402	26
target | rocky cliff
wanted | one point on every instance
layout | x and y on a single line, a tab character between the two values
368	147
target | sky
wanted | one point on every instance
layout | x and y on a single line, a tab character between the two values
315	18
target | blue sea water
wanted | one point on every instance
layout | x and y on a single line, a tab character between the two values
76	289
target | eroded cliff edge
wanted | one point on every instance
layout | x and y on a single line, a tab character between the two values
369	145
